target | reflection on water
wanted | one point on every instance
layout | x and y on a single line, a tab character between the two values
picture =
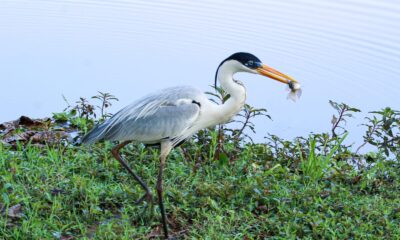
347	51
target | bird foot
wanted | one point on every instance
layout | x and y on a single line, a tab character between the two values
147	196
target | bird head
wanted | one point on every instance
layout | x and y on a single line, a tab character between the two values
247	62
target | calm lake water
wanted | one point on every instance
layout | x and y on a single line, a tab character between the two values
346	51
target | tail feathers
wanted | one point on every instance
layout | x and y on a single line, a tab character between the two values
96	134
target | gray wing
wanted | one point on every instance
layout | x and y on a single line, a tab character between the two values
165	114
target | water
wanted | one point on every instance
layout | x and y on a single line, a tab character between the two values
346	51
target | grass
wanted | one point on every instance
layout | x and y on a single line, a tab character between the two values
316	165
67	192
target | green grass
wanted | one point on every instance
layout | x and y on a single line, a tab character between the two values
83	193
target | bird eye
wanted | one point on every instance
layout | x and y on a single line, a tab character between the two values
249	63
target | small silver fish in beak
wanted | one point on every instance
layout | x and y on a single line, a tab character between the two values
295	91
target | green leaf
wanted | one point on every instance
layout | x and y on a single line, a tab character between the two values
5	197
60	117
223	159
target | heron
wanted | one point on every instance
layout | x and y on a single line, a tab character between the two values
170	116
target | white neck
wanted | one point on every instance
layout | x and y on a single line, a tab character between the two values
236	91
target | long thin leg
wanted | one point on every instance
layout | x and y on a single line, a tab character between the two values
115	153
165	149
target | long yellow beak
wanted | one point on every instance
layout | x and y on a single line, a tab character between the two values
274	74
